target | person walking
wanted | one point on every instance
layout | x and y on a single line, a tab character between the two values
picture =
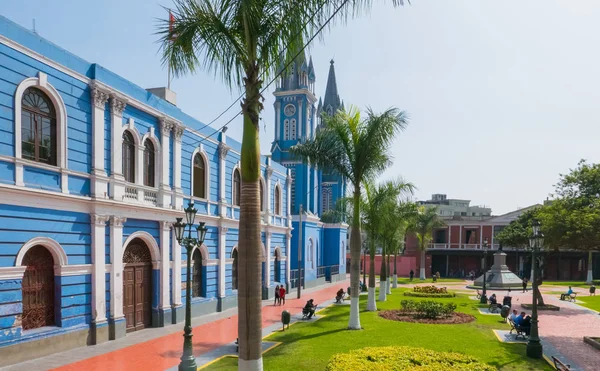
412	274
281	295
277	297
525	284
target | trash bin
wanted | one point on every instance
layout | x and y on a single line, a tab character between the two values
505	311
285	318
592	290
349	290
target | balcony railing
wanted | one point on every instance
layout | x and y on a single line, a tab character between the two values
470	246
141	195
465	246
320	272
438	246
294	278
331	270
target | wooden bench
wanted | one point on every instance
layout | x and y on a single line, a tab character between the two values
517	329
559	365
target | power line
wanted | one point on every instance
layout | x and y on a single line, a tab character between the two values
262	75
280	72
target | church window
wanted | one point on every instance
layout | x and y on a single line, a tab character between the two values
286	129
293	129
327	199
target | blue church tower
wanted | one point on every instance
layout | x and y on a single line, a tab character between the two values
322	246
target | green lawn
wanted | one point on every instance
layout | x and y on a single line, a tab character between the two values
309	346
592	302
566	283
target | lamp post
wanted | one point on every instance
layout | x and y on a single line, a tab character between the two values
483	299
188	361
534	345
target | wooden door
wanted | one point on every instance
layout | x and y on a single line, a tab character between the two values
137	286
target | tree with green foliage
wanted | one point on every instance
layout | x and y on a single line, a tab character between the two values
422	225
246	42
357	149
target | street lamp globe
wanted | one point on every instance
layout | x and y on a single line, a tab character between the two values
201	229
179	228
190	213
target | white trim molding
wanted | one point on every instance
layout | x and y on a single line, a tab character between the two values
203	252
150	243
58	253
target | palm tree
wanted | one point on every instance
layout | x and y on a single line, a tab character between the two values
422	225
357	149
246	42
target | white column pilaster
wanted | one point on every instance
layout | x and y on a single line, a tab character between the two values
288	255
98	224
480	236
288	197
165	249
267	281
165	169
178	195
222	260
99	184
117	184
176	271
116	268
223	150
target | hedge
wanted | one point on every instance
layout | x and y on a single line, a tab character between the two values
396	358
427	308
430	289
427	295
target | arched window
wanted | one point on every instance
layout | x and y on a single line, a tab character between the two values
326	199
128	157
149	164
277	196
199	177
197	274
277	266
38	288
293	129
38	127
262	195
310	253
234	270
237	182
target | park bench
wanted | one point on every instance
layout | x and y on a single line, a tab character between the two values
559	365
306	312
572	297
495	308
517	329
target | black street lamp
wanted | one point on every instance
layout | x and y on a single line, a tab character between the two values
483	299
536	241
188	361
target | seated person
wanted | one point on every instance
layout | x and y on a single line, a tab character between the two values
514	316
340	295
507	300
493	299
567	294
519	319
526	325
309	308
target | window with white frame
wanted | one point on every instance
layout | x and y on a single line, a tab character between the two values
149	164
128	157
310	253
237	183
327	199
277	196
199	177
38	127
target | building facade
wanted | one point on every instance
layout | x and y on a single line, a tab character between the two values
321	245
93	172
458	248
451	207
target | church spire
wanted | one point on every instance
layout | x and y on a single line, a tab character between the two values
331	102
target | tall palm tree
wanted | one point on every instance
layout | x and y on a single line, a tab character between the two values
423	224
246	42
357	149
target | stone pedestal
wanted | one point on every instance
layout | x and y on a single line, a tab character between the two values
499	276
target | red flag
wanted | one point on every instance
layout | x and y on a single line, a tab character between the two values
171	24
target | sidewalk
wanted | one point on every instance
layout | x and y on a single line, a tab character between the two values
159	349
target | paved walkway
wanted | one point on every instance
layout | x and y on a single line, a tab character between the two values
160	348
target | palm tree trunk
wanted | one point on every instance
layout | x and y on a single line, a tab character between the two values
389	276
422	270
355	244
382	278
590	273
250	251
395	279
371	304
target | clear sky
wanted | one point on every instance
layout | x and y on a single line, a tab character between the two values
502	95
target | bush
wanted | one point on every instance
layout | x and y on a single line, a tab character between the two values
430	289
426	295
396	358
427	308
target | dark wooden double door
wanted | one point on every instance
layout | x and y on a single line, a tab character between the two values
137	289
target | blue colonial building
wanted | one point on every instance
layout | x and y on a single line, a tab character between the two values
93	172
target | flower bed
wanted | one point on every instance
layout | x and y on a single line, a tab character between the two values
396	358
430	289
427	311
428	295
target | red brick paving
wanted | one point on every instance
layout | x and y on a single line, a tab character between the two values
164	352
